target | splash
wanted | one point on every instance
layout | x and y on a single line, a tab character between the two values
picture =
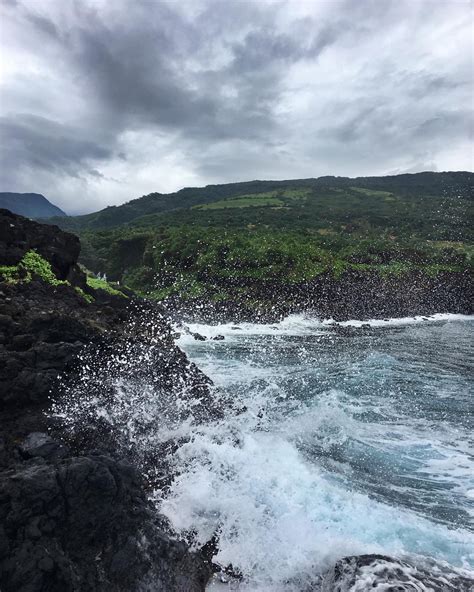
329	444
307	474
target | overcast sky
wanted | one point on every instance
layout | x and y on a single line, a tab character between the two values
103	101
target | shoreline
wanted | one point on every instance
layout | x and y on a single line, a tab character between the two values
361	296
74	491
302	323
341	301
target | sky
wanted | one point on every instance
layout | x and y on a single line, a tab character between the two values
104	101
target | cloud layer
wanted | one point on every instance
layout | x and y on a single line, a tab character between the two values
102	102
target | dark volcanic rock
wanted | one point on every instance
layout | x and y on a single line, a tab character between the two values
352	295
39	444
42	329
84	524
19	235
378	572
73	519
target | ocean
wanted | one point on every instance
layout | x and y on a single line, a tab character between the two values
344	438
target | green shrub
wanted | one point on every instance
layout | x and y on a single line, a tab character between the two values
36	265
10	273
32	265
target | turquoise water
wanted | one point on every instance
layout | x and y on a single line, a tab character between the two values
342	439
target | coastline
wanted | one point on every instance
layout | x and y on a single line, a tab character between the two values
361	296
75	495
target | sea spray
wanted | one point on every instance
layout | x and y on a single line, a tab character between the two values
348	444
328	443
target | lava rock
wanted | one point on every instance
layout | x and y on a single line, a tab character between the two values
84	524
39	444
379	572
199	337
60	248
73	520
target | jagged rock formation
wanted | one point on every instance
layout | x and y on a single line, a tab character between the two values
83	523
19	235
73	518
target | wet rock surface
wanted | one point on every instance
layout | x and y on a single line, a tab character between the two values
74	512
352	295
84	524
382	573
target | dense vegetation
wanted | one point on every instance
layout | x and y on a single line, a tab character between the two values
217	240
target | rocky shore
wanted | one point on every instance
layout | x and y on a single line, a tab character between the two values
74	514
351	295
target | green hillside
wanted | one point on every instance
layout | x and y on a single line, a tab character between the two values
214	241
441	185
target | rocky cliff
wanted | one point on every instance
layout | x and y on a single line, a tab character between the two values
74	514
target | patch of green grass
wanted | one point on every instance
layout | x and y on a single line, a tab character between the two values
97	284
372	192
35	264
435	269
397	268
87	297
242	202
9	273
338	267
296	194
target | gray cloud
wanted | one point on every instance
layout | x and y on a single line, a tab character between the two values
108	101
29	140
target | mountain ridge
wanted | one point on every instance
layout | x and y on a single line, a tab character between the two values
427	182
30	205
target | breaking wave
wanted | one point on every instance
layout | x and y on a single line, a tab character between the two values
337	439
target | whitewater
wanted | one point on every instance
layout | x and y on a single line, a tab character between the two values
317	440
349	438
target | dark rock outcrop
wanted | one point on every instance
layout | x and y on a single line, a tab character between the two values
19	235
84	524
74	514
379	572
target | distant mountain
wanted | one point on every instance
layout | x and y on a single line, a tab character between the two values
31	205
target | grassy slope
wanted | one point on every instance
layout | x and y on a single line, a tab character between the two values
198	240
